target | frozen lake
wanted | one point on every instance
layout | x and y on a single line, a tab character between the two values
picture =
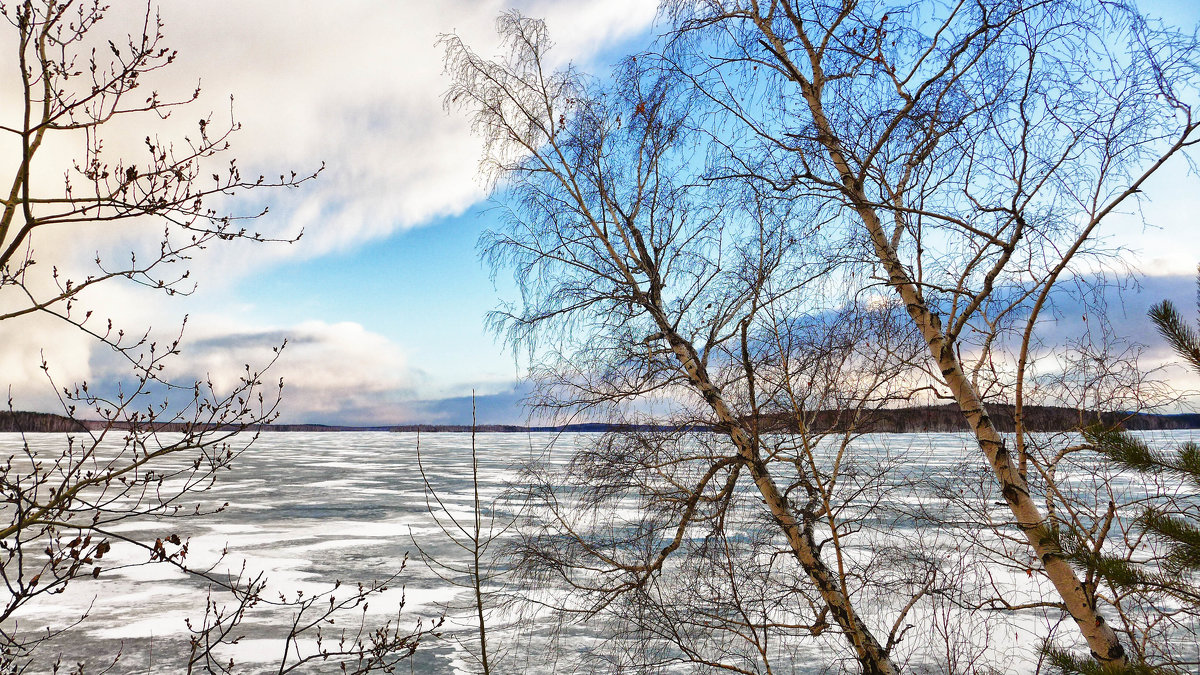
311	508
307	509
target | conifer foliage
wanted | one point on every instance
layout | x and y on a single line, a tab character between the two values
1174	527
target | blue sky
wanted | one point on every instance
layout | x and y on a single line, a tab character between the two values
384	297
424	285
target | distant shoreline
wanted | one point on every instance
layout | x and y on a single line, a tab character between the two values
918	419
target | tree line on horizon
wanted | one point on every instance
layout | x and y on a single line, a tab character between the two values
912	419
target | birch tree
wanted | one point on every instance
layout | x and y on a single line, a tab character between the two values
681	231
641	282
978	149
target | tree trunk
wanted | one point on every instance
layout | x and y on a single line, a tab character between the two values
870	654
1080	603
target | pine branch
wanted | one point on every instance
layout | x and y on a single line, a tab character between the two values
1183	339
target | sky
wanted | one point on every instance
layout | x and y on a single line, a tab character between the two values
383	299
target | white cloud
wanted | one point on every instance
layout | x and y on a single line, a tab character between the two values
21	374
583	29
335	373
332	372
356	84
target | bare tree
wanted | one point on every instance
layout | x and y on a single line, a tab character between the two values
73	89
941	175
976	149
146	450
476	538
643	285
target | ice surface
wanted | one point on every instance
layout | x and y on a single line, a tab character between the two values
308	509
